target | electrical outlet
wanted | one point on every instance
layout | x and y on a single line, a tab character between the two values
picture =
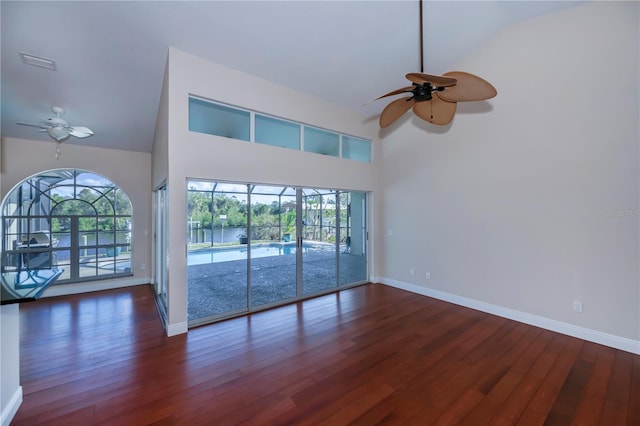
428	275
412	272
577	306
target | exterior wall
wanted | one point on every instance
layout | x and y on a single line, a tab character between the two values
131	171
201	156
530	201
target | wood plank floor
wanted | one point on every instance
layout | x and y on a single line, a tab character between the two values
368	355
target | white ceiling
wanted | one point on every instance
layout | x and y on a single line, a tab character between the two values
110	56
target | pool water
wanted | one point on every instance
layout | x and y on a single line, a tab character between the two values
226	254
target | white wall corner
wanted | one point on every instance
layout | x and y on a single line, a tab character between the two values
595	336
9	412
177	328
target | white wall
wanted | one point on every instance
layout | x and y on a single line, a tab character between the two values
131	171
160	151
195	155
530	201
10	389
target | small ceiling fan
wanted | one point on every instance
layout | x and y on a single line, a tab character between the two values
58	128
434	98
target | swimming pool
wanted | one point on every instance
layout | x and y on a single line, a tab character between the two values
226	254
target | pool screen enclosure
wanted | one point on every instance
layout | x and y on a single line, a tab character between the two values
274	245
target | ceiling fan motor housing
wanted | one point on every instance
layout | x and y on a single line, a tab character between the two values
57	121
422	92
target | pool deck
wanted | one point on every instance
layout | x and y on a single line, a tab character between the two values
216	288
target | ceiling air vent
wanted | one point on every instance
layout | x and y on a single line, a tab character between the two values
38	61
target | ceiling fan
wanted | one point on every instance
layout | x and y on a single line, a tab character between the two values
434	98
58	128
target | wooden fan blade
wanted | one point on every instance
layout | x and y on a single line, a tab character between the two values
468	88
395	110
435	111
395	92
435	80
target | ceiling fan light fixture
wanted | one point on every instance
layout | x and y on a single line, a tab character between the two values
58	133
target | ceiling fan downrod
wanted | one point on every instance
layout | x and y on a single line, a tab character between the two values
449	88
421	42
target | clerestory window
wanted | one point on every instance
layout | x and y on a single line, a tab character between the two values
218	119
73	220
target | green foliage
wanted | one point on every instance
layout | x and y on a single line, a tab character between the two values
264	227
267	220
95	208
199	209
289	222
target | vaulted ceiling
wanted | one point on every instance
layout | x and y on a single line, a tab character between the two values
110	56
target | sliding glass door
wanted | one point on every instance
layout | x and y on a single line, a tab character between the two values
353	237
273	245
255	246
160	247
319	240
217	252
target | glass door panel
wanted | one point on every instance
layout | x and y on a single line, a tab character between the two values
160	246
319	240
273	244
353	237
216	256
251	247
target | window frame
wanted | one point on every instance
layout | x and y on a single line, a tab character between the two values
303	127
33	224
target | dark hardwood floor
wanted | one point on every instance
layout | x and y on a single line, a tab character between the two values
364	356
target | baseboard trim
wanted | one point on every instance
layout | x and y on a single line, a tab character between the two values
67	289
595	336
178	328
9	412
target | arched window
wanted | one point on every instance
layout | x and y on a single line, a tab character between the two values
72	220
